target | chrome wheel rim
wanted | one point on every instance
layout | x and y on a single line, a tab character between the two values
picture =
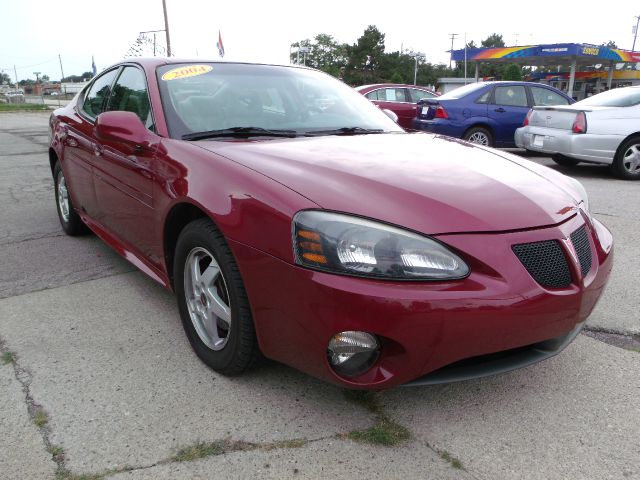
207	298
479	138
631	159
63	198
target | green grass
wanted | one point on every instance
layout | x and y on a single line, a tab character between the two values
295	443
40	418
21	107
56	450
64	474
386	432
455	463
634	349
8	357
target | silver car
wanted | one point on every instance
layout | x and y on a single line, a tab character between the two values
604	128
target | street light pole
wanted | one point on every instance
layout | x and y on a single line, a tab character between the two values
166	27
635	35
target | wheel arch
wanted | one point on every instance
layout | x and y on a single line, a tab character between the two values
481	124
624	140
53	158
180	215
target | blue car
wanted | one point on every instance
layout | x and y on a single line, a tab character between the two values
486	113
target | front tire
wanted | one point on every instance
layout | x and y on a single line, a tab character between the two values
212	300
626	163
70	221
479	136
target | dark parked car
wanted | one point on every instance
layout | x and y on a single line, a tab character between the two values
486	113
400	99
325	238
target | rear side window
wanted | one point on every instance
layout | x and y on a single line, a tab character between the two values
372	95
544	96
511	96
392	95
94	101
484	98
130	95
618	97
417	95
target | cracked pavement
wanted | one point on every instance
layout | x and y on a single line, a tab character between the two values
99	347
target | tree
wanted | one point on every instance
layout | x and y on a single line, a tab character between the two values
493	41
45	78
4	78
324	54
609	44
512	72
365	57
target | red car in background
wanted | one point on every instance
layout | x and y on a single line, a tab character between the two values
293	219
400	99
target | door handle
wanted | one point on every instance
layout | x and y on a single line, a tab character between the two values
500	110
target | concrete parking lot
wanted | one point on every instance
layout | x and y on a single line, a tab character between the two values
98	379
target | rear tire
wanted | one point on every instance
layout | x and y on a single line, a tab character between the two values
212	300
564	161
626	163
479	136
70	221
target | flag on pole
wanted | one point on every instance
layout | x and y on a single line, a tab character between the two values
93	66
220	45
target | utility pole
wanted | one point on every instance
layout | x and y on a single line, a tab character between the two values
16	74
453	36
635	34
166	27
62	72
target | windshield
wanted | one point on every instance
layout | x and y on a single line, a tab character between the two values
462	91
618	97
262	99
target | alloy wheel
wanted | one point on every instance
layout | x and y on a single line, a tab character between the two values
207	298
631	159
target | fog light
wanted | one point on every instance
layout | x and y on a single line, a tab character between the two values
352	353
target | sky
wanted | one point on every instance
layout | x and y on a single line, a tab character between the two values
35	32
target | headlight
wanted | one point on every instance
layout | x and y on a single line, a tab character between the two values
350	245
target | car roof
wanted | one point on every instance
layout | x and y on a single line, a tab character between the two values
386	85
154	62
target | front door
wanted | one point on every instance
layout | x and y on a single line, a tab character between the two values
124	173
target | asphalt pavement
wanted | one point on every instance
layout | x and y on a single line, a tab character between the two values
97	377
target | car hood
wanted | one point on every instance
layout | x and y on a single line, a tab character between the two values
429	183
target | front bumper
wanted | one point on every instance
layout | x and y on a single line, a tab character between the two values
429	325
584	146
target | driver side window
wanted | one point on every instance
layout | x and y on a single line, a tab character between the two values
130	95
94	101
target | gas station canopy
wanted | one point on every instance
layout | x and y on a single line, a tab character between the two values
573	54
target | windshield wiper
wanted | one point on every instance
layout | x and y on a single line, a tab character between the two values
345	131
240	132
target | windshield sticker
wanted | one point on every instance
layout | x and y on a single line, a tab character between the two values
187	71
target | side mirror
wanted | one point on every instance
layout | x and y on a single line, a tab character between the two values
122	127
390	114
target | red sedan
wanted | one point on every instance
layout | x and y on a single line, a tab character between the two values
295	220
400	99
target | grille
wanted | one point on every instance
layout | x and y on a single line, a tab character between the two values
580	240
545	262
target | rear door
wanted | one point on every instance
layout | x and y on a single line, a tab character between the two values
79	146
507	108
397	100
123	173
